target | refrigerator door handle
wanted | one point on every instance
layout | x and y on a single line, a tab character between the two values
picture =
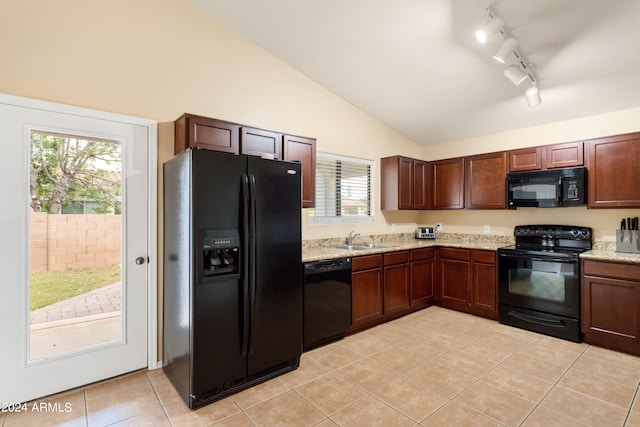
246	245
253	256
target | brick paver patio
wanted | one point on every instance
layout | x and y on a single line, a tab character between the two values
102	300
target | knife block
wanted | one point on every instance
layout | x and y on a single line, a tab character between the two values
627	241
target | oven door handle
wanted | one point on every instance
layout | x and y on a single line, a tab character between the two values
562	260
543	259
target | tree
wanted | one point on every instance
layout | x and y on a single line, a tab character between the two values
67	168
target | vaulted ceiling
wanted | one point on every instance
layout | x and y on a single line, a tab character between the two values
416	65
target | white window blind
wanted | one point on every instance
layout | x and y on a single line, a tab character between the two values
343	189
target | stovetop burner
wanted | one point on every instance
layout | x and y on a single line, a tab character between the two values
558	240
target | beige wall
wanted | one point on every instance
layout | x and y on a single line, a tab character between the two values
159	59
603	221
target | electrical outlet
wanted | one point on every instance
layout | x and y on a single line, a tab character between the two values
439	226
393	227
487	228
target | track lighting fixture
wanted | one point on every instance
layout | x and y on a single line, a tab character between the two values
533	96
515	74
508	46
518	71
489	29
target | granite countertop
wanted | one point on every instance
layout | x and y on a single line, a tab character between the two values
611	256
321	249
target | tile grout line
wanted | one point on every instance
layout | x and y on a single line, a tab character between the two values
635	397
554	386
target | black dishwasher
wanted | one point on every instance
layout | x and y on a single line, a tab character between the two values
327	301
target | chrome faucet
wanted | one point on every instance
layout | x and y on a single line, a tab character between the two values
351	237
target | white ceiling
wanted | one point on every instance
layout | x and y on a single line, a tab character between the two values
416	65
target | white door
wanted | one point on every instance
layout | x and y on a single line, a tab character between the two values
52	343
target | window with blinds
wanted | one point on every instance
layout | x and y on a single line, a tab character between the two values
343	189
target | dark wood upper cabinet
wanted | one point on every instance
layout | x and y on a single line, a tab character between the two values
448	184
614	175
566	155
303	150
486	183
525	159
256	142
403	183
555	156
420	184
218	135
206	133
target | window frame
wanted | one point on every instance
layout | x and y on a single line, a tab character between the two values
315	219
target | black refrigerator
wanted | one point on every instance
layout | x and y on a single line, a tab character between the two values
232	272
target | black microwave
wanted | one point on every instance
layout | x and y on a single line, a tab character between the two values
547	189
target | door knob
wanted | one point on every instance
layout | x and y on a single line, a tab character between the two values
140	260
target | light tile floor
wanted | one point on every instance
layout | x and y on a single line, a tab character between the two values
436	367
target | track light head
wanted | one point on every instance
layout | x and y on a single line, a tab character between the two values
489	29
533	96
508	46
515	74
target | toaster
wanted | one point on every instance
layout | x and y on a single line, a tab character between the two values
426	232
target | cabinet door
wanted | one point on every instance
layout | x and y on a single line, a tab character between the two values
484	286
420	184
455	282
448	184
486	181
566	155
256	142
422	279
366	296
613	172
405	183
304	151
525	159
610	310
206	133
396	288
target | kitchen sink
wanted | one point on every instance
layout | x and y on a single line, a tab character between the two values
375	245
364	246
352	247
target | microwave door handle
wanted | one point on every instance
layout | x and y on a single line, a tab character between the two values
560	191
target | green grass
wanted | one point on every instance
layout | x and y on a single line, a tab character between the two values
54	286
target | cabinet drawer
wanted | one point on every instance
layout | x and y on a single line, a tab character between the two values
487	257
426	253
451	253
366	262
611	269
396	258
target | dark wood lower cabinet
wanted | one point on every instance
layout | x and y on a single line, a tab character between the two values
611	305
485	273
422	277
366	291
388	286
467	281
396	282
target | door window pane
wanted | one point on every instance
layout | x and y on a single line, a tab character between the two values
75	281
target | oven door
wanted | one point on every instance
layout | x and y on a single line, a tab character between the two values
545	284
